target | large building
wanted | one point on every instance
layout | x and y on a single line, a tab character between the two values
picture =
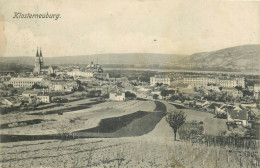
25	82
92	70
38	66
222	81
77	73
160	79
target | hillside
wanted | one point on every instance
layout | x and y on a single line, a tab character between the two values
239	57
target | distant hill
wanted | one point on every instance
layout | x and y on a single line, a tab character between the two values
131	58
239	57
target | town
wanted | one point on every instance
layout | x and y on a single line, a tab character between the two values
86	101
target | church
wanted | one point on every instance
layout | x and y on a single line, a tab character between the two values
39	68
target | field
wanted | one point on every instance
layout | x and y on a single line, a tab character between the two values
113	134
73	120
143	151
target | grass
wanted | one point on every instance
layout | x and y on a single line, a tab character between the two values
68	109
107	153
135	124
178	106
49	106
140	126
109	125
20	123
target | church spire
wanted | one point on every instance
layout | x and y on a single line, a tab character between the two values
40	52
37	54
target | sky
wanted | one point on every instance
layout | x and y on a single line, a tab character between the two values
127	26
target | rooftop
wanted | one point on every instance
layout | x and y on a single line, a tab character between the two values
26	79
235	114
161	76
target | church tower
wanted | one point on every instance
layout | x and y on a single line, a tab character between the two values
37	65
41	58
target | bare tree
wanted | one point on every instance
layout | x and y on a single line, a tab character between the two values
175	119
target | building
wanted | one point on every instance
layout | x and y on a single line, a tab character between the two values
222	81
232	92
5	102
63	86
237	117
39	95
77	73
92	70
39	67
95	68
5	79
213	87
160	79
29	93
256	87
101	75
25	82
117	96
43	98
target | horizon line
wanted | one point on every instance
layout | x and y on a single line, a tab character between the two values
136	53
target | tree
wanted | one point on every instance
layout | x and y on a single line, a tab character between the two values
158	84
239	88
165	93
155	96
175	119
130	95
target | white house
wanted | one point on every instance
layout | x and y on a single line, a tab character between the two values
43	98
116	96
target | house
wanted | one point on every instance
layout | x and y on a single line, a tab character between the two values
117	96
220	113
248	105
101	75
63	85
5	79
256	95
30	93
14	100
5	102
237	117
43	98
232	92
201	103
213	87
213	106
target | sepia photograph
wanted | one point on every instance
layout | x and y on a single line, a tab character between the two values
129	84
